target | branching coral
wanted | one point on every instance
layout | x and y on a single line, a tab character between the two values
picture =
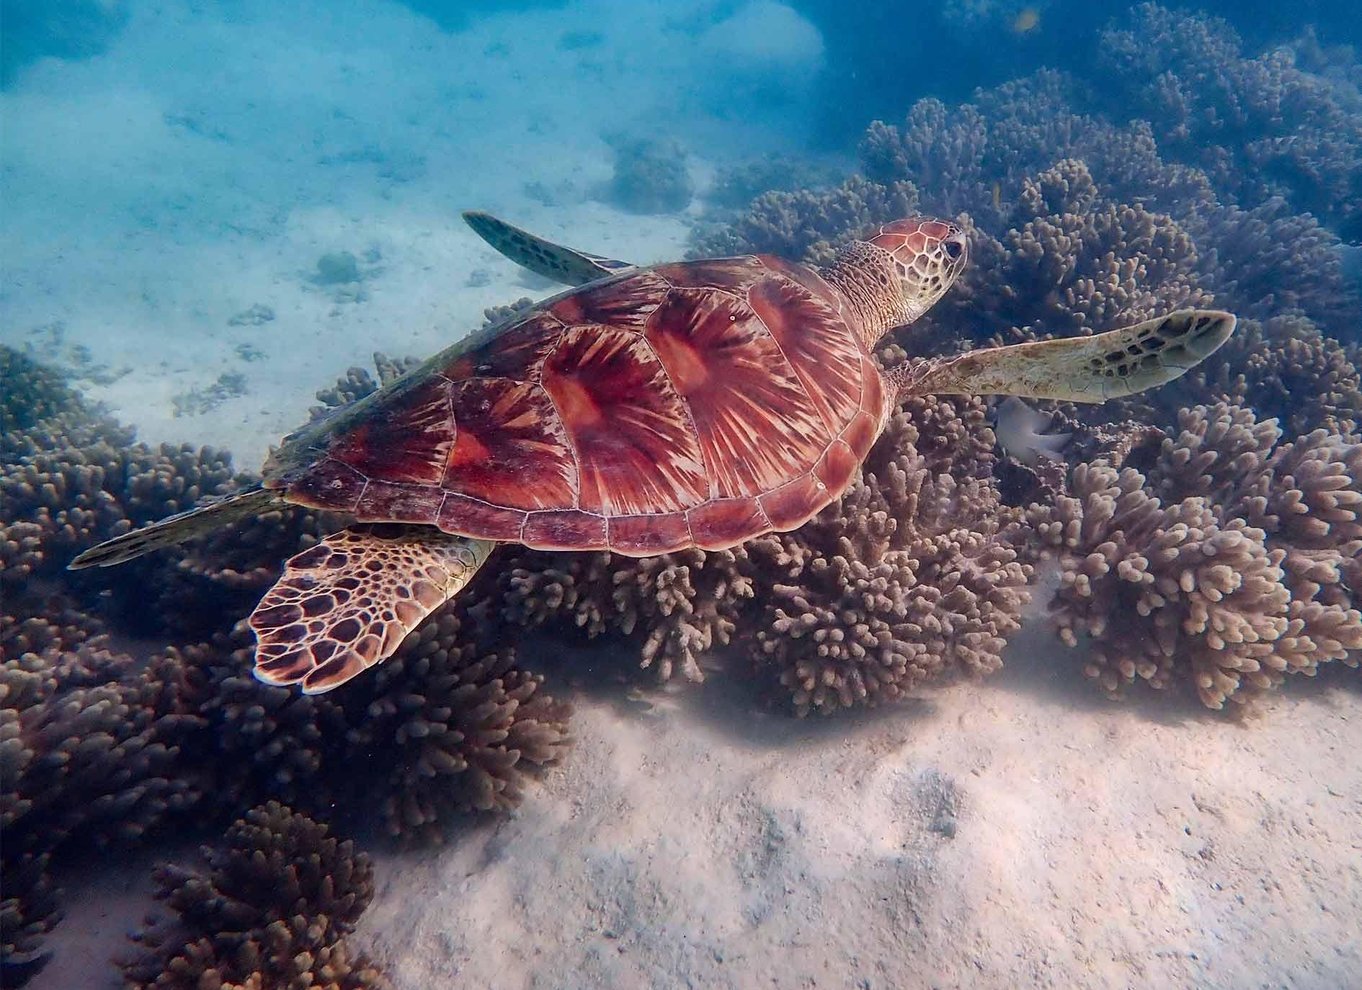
678	606
912	573
973	159
446	726
1288	370
456	725
89	747
1080	263
1260	126
272	910
1227	565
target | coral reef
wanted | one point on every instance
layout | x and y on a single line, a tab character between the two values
676	606
810	225
737	185
1260	127
1227	565
89	747
272	910
911	574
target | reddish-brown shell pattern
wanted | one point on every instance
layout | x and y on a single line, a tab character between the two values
694	404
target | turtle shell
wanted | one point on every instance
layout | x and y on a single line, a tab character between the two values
693	404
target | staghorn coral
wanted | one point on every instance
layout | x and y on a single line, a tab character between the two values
272	910
1227	565
910	574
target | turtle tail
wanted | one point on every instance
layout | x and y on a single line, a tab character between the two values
176	529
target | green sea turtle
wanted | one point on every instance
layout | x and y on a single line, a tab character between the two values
694	404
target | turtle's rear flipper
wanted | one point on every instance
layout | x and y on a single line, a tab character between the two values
347	603
553	261
1080	369
178	529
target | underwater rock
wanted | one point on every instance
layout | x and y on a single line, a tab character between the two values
337	268
650	176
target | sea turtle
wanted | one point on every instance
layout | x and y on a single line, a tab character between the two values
694	404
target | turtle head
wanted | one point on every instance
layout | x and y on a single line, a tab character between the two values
928	256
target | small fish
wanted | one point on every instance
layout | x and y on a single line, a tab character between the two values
1018	429
1026	21
997	196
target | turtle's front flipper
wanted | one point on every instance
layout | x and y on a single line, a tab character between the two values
553	261
179	528
1079	369
347	603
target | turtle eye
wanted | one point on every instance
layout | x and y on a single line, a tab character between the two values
953	249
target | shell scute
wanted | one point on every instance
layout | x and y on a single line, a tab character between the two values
792	505
730	274
328	484
837	467
722	523
641	536
511	448
814	340
565	529
385	501
461	514
517	352
623	303
407	440
635	450
751	413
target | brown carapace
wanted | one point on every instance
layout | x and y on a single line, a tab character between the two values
696	404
